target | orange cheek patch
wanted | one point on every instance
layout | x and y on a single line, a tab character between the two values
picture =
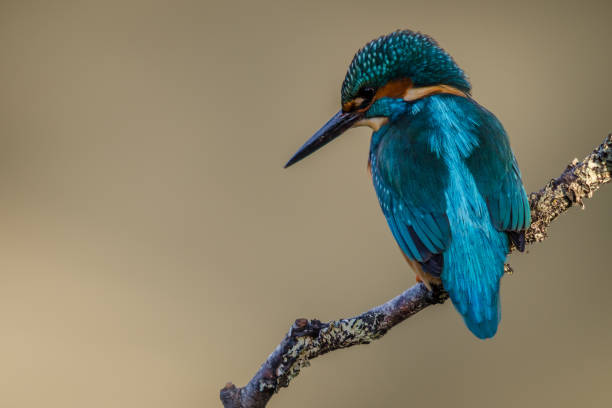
403	88
394	89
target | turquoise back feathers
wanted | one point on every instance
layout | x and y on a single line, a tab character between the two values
451	192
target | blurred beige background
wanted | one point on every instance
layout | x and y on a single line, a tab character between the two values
153	248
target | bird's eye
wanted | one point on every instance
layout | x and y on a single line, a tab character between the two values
364	97
362	100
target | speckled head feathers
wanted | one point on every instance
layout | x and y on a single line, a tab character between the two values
402	54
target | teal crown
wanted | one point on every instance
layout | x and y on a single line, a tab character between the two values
402	54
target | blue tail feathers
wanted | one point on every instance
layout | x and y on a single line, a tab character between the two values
473	287
473	268
483	319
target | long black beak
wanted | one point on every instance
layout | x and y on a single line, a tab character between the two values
340	122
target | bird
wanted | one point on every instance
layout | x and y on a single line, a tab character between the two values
442	167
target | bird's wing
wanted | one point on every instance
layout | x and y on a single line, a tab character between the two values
498	178
410	181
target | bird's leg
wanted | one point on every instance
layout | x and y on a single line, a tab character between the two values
418	271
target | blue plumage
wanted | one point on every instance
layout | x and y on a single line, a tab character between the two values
425	175
445	176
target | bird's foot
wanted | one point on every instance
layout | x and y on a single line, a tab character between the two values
437	294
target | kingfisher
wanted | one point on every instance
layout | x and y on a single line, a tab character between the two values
446	178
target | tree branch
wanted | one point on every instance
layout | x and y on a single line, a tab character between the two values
308	339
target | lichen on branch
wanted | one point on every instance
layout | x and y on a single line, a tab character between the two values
308	339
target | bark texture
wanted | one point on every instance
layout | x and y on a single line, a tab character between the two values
308	339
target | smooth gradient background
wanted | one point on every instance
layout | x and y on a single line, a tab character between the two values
153	248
